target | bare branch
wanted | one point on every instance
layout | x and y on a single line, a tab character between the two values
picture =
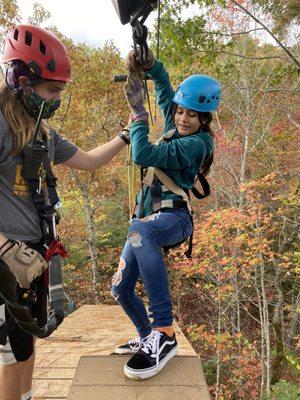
233	33
240	55
291	56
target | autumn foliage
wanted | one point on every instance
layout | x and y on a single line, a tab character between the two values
238	298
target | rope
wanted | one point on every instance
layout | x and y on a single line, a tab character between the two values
158	29
132	168
157	48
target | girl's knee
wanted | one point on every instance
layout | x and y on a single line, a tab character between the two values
119	286
119	293
117	279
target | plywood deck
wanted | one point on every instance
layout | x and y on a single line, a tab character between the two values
96	331
101	377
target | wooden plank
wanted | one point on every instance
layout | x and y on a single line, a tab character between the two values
48	398
54	373
142	393
102	377
108	370
52	388
86	332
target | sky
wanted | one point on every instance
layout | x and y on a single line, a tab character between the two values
91	21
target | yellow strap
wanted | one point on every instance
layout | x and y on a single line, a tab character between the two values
132	173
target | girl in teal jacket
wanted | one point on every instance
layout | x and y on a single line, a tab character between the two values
163	216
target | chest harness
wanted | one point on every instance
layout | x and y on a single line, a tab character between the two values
153	175
37	172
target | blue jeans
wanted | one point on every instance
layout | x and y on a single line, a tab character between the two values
142	258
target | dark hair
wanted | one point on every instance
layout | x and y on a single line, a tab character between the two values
204	127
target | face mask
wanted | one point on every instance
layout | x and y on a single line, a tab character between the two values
33	102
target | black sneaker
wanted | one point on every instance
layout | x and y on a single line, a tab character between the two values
157	349
131	347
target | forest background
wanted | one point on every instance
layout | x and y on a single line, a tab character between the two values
238	298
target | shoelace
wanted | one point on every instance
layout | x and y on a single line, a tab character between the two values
152	345
135	343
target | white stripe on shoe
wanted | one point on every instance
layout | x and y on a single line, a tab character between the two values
150	353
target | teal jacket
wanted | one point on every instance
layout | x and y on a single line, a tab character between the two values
180	157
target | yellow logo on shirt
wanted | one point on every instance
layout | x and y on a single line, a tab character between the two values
20	187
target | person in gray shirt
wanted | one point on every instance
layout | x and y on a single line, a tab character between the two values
38	70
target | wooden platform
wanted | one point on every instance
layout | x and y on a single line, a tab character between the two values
85	340
101	377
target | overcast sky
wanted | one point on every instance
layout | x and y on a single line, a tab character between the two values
90	21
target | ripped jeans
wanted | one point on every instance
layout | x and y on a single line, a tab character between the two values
142	258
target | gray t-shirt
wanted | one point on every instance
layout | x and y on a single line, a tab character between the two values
18	216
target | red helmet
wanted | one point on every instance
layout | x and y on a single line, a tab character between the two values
43	52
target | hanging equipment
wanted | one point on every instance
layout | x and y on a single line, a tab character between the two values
35	159
135	12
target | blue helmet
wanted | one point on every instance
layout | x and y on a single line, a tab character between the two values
199	93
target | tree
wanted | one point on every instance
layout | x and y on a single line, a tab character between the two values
96	107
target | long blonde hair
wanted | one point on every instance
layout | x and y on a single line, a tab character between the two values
21	124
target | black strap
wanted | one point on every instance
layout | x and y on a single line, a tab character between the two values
5	328
205	187
35	159
141	209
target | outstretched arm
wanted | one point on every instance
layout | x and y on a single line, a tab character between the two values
164	92
95	158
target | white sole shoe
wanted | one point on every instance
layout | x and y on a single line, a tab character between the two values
149	372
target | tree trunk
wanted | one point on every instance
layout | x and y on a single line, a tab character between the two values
266	330
89	217
278	361
294	322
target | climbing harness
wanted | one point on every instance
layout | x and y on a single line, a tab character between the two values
151	176
42	185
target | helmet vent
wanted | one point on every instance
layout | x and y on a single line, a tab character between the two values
51	65
42	47
202	99
16	34
28	38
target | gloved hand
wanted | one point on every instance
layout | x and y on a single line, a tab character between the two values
135	96
25	263
133	66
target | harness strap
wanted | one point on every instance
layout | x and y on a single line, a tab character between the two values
205	187
167	182
5	328
45	199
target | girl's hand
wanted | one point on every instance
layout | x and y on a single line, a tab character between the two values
134	66
135	97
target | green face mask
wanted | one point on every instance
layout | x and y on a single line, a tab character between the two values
33	102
